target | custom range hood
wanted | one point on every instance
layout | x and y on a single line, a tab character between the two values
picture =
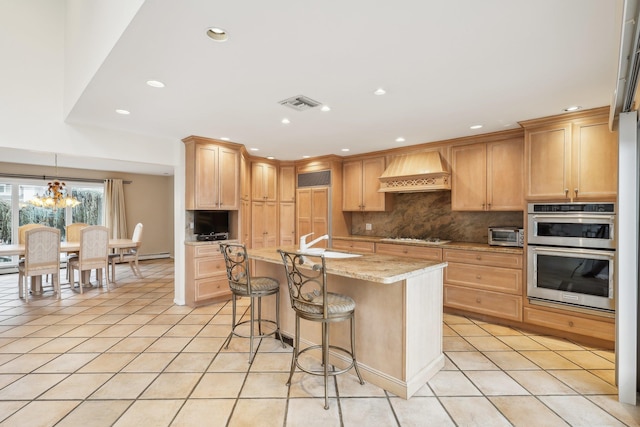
415	172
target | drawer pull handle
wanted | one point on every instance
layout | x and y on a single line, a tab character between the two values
478	277
571	323
478	257
478	300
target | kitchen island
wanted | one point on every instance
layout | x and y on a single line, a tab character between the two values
398	315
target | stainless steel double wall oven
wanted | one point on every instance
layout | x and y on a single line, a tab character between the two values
571	254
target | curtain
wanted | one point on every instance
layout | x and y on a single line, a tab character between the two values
115	212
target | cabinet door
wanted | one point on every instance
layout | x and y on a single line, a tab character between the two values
320	214
287	184
594	161
548	153
264	182
505	176
303	211
245	232
271	224
258	231
287	224
469	182
206	177
352	186
371	171
229	176
245	178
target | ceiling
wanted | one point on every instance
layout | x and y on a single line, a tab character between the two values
445	66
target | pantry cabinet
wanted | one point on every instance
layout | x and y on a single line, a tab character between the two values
488	176
484	282
312	212
206	275
361	184
264	223
287	224
287	183
212	175
571	160
264	182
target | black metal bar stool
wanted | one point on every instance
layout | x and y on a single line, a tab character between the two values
310	300
243	285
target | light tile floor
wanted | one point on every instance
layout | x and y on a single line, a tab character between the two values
131	357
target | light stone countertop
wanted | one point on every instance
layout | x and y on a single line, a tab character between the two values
451	245
370	267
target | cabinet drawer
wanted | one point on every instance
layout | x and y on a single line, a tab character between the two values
207	250
209	266
431	254
484	302
355	246
483	258
213	287
480	276
570	323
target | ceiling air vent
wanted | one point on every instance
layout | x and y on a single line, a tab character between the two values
300	103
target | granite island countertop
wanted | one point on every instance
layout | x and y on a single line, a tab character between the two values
484	247
371	267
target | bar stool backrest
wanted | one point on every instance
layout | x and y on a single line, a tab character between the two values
307	283
237	263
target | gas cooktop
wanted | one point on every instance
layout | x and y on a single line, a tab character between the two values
424	241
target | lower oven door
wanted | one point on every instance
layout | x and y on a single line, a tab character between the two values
582	277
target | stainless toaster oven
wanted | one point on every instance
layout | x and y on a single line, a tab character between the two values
506	236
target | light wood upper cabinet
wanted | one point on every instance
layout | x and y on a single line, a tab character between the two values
245	178
212	176
487	176
360	185
264	182
287	183
572	160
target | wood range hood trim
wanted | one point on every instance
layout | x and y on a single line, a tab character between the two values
415	172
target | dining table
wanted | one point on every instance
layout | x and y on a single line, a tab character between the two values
65	247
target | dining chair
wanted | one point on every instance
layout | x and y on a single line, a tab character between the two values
129	255
93	254
242	284
310	300
41	256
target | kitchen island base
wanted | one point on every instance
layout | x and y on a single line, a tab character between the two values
398	323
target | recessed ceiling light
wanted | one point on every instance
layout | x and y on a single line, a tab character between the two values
572	108
123	112
270	157
155	83
475	127
325	108
400	139
217	34
345	149
305	157
255	149
380	91
285	121
224	138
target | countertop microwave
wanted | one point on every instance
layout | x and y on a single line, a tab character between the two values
506	236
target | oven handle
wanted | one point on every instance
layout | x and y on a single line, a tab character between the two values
570	218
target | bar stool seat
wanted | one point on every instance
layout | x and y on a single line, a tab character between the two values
307	281
242	284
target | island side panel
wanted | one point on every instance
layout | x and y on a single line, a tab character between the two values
423	329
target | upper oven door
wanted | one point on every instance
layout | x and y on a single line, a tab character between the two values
578	230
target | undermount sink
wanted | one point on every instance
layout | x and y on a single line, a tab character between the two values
329	254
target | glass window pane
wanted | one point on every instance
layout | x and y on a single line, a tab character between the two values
91	200
29	214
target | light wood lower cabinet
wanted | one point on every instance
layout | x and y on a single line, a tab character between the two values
483	282
206	276
353	245
603	329
428	253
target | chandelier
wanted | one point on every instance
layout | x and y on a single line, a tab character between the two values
56	196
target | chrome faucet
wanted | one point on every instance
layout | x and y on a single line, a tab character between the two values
303	241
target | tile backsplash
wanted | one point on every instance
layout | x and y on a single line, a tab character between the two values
420	215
